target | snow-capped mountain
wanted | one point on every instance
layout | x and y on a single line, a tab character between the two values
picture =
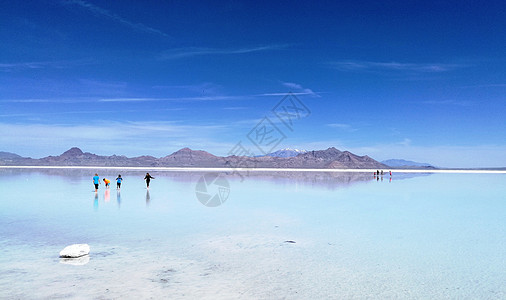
287	152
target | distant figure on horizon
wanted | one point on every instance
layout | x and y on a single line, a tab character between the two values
390	173
148	179
107	183
118	182
381	172
378	172
96	181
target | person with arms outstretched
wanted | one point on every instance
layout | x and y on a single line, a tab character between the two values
148	179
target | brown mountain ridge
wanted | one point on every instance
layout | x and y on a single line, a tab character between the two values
330	158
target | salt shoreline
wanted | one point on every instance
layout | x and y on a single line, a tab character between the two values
191	169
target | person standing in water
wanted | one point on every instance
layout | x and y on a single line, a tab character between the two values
96	181
118	182
148	179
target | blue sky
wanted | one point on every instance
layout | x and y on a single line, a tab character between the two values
417	80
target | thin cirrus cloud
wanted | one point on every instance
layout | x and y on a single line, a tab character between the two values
96	10
448	102
295	89
148	99
24	65
474	156
346	127
119	134
179	53
17	66
298	88
369	66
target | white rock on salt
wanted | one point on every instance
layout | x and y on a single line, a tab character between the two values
76	250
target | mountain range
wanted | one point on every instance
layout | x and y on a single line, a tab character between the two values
330	158
402	163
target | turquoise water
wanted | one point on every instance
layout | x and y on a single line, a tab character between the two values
296	236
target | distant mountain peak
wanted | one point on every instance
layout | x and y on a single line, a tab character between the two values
9	155
187	152
74	151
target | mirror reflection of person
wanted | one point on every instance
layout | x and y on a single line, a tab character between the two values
148	198
107	195
118	198
95	202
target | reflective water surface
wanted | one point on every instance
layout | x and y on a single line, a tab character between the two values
277	235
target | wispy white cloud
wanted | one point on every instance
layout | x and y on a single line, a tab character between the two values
471	156
345	127
448	102
369	66
282	94
150	99
96	10
128	138
39	115
406	142
295	89
16	66
128	99
199	51
25	65
298	88
450	156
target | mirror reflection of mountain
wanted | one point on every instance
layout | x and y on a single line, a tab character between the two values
330	180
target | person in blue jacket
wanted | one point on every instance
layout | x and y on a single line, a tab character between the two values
96	181
118	182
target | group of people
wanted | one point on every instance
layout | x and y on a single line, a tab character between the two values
377	173
119	179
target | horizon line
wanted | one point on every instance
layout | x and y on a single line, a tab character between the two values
190	169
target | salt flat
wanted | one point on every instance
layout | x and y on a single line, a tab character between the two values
433	236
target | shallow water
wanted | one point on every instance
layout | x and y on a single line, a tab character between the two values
302	236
